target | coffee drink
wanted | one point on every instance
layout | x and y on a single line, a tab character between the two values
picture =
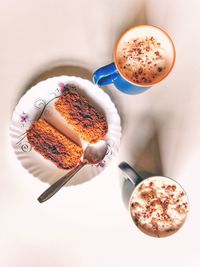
159	206
144	56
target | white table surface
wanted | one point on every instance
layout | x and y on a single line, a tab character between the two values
88	225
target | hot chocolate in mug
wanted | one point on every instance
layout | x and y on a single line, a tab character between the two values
143	56
158	205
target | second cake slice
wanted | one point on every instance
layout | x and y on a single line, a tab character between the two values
88	122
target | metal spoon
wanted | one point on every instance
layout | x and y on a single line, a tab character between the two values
93	154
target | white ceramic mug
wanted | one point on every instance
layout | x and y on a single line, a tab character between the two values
158	205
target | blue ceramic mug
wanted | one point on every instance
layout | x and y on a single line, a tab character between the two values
115	74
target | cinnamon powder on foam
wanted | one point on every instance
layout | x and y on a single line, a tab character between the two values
142	60
159	207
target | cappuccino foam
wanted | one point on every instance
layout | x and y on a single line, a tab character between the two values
142	60
159	206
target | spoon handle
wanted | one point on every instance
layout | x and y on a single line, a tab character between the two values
55	187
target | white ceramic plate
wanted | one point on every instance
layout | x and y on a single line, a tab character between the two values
39	101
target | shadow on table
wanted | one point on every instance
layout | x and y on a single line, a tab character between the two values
57	69
130	21
147	160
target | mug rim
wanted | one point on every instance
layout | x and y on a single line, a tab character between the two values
145	26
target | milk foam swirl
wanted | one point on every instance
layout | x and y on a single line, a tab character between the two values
159	206
142	60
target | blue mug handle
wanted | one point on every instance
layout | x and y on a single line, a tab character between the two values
109	75
105	75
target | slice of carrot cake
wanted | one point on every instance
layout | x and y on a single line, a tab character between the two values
88	122
53	145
